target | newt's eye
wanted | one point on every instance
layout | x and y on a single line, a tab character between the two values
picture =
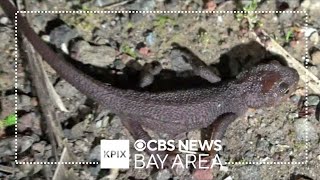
284	87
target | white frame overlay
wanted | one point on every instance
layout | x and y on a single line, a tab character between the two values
305	57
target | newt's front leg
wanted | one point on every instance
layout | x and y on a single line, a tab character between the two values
215	131
218	128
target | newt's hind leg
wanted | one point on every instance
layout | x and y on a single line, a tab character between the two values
198	66
179	54
136	130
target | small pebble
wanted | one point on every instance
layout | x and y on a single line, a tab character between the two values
309	31
305	130
224	168
315	70
99	124
100	56
283	147
313	100
25	101
39	147
34	101
4	20
263	125
135	17
260	111
295	98
176	27
30	121
118	64
144	5
163	175
265	159
62	34
210	6
104	25
102	3
293	115
150	39
46	38
178	62
305	4
145	51
146	79
252	121
67	133
94	154
113	23
154	67
314	38
27	141
228	178
315	58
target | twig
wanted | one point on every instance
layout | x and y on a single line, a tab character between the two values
7	169
61	171
54	129
114	4
52	94
305	75
44	88
46	94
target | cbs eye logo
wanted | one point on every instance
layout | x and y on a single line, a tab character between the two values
140	145
154	145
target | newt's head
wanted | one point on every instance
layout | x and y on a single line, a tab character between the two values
268	84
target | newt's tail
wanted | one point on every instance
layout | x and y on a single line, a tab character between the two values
114	98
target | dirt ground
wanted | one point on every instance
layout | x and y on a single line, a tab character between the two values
116	47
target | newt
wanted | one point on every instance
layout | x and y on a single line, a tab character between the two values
177	111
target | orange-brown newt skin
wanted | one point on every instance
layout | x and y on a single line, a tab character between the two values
177	111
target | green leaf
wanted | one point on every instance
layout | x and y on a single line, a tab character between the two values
251	6
9	120
124	48
162	20
289	35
